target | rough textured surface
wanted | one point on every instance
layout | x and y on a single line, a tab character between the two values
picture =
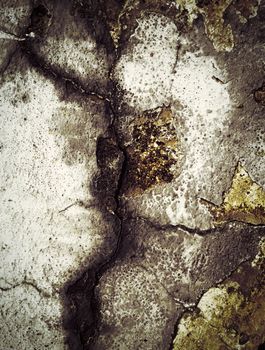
132	174
181	266
229	316
14	21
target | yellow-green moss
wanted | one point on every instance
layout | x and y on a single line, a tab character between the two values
229	316
218	32
213	14
245	201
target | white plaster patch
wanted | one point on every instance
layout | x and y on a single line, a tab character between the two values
198	91
145	74
46	233
205	113
29	320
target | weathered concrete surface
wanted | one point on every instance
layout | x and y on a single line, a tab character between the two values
183	82
206	99
52	225
132	174
156	267
15	17
229	316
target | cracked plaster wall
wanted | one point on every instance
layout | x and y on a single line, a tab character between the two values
132	174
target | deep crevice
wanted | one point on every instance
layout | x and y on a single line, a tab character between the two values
86	285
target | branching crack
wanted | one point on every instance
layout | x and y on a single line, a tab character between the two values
91	279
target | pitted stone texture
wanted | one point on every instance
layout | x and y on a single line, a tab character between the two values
145	67
205	97
51	225
29	320
136	311
65	45
181	264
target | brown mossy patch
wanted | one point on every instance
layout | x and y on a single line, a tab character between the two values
123	19
229	316
245	201
218	32
246	8
154	154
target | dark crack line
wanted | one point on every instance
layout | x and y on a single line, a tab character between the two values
80	204
52	74
6	35
105	265
112	258
117	212
101	269
193	231
26	283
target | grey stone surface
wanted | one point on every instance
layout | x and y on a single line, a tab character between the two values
93	257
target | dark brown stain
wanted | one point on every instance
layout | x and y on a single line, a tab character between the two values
82	18
246	6
81	319
259	95
154	154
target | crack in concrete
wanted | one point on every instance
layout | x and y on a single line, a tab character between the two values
56	76
4	35
193	231
100	270
106	264
30	284
120	215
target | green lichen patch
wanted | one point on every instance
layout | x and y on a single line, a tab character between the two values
229	316
218	32
213	12
154	155
245	201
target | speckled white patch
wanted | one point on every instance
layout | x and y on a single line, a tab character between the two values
197	90
46	234
145	73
